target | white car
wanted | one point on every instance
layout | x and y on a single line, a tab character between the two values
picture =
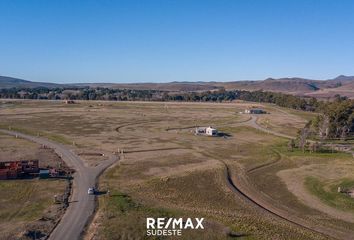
91	191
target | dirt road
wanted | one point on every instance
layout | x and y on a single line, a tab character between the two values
239	184
82	205
253	123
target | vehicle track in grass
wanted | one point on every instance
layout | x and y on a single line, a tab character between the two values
118	129
253	123
244	192
265	165
155	150
334	233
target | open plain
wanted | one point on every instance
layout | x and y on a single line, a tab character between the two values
245	183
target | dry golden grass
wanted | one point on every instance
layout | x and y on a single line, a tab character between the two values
25	201
174	172
17	149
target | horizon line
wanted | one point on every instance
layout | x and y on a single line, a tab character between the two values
160	82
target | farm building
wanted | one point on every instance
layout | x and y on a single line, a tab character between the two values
7	174
69	102
208	131
45	173
15	169
255	111
200	131
211	131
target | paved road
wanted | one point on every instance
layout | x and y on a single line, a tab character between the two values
82	205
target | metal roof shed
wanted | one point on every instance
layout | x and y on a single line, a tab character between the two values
43	174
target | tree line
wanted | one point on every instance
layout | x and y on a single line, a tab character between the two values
334	121
109	94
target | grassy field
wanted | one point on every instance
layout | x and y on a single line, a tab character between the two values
28	204
16	149
168	171
282	120
328	192
24	203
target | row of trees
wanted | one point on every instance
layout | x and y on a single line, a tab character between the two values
284	100
304	145
334	121
80	94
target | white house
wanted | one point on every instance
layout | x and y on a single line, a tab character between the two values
208	131
211	131
254	111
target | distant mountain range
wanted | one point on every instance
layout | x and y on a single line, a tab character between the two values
10	82
343	85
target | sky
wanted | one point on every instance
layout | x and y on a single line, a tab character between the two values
180	40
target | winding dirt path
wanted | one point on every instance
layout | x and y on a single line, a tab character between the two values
265	165
239	185
253	123
294	180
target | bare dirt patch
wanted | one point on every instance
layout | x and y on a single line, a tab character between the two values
295	178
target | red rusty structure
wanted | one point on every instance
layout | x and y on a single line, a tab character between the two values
16	169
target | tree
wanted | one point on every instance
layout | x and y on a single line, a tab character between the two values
303	138
291	145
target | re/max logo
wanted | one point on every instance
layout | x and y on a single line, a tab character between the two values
171	226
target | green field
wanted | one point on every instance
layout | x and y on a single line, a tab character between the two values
328	192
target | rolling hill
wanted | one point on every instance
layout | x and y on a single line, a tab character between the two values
343	85
10	82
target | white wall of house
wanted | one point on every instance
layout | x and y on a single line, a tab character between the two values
211	131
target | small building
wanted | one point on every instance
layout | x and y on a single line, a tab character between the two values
53	172
3	174
12	174
200	130
208	131
8	174
211	131
44	173
17	169
69	102
255	111
30	166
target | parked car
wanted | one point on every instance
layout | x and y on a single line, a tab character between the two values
91	191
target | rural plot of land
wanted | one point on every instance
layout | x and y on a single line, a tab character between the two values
166	170
27	205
